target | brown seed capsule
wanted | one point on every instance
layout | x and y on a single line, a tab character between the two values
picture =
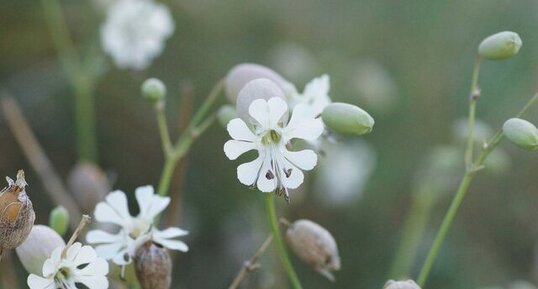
16	213
88	184
153	266
314	245
408	284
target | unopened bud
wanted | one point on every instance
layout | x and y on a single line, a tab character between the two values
88	184
37	248
242	74
409	284
225	114
261	88
500	46
153	266
314	245
347	119
154	90
59	220
17	216
522	133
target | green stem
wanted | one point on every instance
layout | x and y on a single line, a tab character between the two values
473	99
163	128
460	195
281	249
80	80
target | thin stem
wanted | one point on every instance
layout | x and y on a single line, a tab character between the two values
81	81
163	128
473	99
251	264
281	249
85	221
460	195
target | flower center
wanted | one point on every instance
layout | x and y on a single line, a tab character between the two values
62	276
271	137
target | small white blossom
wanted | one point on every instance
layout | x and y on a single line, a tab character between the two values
134	231
135	31
315	95
79	265
276	167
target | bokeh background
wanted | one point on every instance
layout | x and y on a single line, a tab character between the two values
406	62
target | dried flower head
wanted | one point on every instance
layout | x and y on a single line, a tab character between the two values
314	245
153	266
16	213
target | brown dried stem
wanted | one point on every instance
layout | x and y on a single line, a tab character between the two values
251	264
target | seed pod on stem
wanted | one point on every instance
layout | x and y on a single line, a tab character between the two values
88	184
16	213
153	266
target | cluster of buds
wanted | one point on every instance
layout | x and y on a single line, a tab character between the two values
17	214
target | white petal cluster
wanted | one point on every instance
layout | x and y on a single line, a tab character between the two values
276	168
135	31
80	265
134	231
315	95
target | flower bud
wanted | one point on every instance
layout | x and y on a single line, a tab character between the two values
17	216
88	185
409	284
37	248
522	133
153	90
59	220
500	46
261	88
242	74
314	245
225	114
153	266
347	119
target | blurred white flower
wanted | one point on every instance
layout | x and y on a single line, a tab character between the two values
294	60
343	173
79	265
275	168
373	84
135	31
315	95
135	231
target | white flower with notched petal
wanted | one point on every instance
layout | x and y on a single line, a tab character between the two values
135	31
79	265
134	231
276	168
315	95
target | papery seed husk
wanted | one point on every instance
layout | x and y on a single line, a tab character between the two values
153	266
37	248
16	213
314	245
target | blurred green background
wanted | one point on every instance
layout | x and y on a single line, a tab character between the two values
425	51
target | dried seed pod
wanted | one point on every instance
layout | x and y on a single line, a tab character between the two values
153	266
37	248
315	246
16	213
88	184
408	284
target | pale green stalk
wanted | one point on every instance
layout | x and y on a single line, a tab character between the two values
280	247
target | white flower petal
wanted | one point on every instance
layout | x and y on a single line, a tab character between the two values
99	237
150	204
239	130
259	111
247	173
171	233
36	282
114	210
277	109
111	251
172	244
303	125
305	159
267	180
93	282
122	258
51	265
293	177
234	148
85	255
97	267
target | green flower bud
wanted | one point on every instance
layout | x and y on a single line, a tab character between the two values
59	220
37	248
522	133
500	46
347	119
225	114
153	90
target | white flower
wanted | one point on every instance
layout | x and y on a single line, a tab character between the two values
135	31
79	265
135	231
275	168
315	95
